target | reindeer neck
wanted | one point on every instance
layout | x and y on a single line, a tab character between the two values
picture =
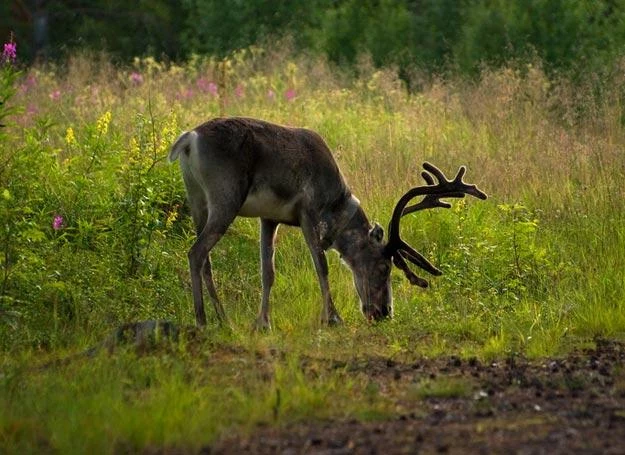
354	238
335	218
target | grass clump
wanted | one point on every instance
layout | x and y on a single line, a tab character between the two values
443	387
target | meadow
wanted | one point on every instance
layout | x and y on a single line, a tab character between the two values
95	233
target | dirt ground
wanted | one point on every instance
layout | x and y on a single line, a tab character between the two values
574	404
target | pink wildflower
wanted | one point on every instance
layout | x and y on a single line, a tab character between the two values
57	223
271	94
9	54
203	84
136	78
212	89
290	94
55	95
206	86
185	94
28	83
239	91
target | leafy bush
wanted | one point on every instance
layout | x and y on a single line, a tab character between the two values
564	34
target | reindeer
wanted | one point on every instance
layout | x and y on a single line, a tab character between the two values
246	167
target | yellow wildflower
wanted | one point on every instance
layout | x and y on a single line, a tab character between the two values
171	217
102	125
70	139
135	151
168	132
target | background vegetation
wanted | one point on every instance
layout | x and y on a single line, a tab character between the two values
423	35
94	231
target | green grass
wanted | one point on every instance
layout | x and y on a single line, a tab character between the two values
171	399
443	387
535	270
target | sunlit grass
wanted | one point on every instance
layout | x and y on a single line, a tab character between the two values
112	403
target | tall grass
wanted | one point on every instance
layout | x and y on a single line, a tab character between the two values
533	270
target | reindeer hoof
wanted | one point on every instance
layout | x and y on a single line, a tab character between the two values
262	326
332	321
224	323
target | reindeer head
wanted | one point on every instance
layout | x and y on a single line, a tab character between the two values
370	258
371	267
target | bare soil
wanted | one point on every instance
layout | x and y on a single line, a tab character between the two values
574	404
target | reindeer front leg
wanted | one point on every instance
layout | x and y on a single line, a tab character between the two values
310	228
268	229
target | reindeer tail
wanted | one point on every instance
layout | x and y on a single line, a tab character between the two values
182	144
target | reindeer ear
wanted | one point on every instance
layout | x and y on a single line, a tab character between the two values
377	233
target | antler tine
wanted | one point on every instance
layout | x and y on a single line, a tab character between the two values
456	188
433	200
399	250
427	177
408	252
457	184
429	200
460	174
436	171
399	261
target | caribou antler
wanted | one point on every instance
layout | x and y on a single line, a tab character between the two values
399	250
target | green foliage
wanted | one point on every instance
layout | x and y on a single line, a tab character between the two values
79	217
144	204
119	27
218	27
517	267
564	34
418	36
354	27
436	27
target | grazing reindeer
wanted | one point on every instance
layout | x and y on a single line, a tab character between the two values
246	167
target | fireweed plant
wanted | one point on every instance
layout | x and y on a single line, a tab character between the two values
10	210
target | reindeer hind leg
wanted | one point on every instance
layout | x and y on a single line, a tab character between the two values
211	221
219	218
